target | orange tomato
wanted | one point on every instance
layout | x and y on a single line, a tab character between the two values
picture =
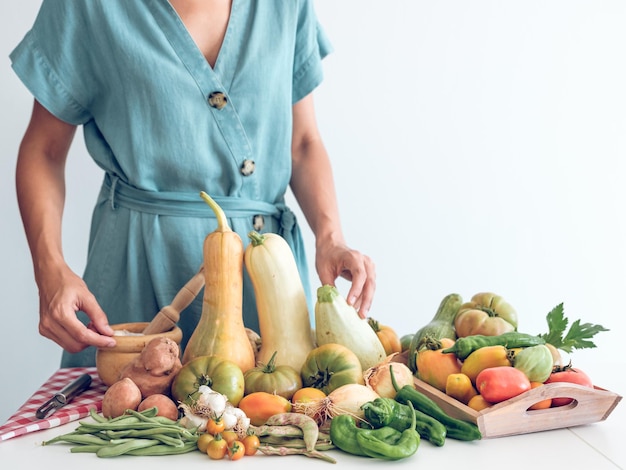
215	425
251	443
217	448
460	387
543	404
229	436
259	406
236	450
478	403
433	366
307	395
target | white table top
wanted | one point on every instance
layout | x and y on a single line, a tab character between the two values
599	446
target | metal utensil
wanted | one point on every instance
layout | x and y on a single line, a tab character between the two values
65	396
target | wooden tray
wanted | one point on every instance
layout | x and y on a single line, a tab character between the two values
512	416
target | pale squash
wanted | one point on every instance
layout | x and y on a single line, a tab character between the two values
220	330
336	321
284	322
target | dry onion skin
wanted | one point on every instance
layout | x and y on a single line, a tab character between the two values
378	378
346	399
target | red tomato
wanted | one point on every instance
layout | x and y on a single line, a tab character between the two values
571	375
497	384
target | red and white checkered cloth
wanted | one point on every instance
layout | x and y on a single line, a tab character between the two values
25	421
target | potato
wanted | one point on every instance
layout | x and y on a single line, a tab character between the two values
155	368
119	397
165	405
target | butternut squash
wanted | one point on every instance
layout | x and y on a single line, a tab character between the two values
220	330
284	322
336	321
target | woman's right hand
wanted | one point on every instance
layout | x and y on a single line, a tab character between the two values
40	184
61	295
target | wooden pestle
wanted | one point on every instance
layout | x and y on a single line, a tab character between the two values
169	315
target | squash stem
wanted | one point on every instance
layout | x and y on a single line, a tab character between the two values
222	221
256	238
327	293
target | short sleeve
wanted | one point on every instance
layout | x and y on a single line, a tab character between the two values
51	61
312	45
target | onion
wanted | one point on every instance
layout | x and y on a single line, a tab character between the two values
378	378
346	399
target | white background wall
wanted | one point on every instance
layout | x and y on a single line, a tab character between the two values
477	145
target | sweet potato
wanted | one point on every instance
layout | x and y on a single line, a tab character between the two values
155	368
119	397
165	405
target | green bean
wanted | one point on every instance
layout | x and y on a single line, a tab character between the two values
124	447
136	433
97	416
162	449
118	426
92	449
149	416
173	431
74	438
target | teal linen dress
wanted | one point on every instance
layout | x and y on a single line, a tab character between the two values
164	125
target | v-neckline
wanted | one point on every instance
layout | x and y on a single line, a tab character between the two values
222	51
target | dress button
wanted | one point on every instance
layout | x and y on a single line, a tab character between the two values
247	167
218	100
258	222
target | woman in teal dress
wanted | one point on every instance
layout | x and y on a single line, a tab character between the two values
174	98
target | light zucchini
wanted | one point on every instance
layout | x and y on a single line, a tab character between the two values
338	322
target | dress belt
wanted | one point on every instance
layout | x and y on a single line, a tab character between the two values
119	193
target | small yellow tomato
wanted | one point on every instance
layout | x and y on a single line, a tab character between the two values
203	441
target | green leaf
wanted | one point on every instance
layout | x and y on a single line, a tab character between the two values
557	324
577	337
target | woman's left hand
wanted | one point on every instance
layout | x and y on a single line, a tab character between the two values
334	261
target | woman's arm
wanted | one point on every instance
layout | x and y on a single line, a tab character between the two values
313	187
40	184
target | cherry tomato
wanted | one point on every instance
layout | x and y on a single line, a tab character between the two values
229	436
497	384
251	443
571	375
217	448
203	441
478	403
215	426
236	450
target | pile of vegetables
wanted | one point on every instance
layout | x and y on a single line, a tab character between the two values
475	354
347	385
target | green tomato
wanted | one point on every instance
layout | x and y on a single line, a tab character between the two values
282	380
534	361
220	374
330	366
